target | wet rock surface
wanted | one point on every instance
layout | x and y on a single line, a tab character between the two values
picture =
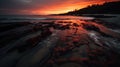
61	43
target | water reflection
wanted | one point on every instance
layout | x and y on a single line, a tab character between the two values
60	41
88	41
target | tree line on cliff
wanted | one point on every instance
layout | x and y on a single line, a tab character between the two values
105	8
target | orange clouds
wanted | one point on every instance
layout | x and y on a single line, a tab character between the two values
66	6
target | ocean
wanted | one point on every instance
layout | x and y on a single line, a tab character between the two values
33	18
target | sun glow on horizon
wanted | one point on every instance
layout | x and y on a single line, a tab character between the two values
50	12
57	9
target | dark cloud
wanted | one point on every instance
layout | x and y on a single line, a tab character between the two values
26	4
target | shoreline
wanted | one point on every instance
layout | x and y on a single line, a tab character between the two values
109	20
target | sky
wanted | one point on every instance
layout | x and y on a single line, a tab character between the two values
44	7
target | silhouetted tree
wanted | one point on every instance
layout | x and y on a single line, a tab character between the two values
105	8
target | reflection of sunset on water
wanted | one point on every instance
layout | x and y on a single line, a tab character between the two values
58	40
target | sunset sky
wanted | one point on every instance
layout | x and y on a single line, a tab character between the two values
44	6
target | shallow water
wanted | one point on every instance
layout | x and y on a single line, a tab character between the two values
34	18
